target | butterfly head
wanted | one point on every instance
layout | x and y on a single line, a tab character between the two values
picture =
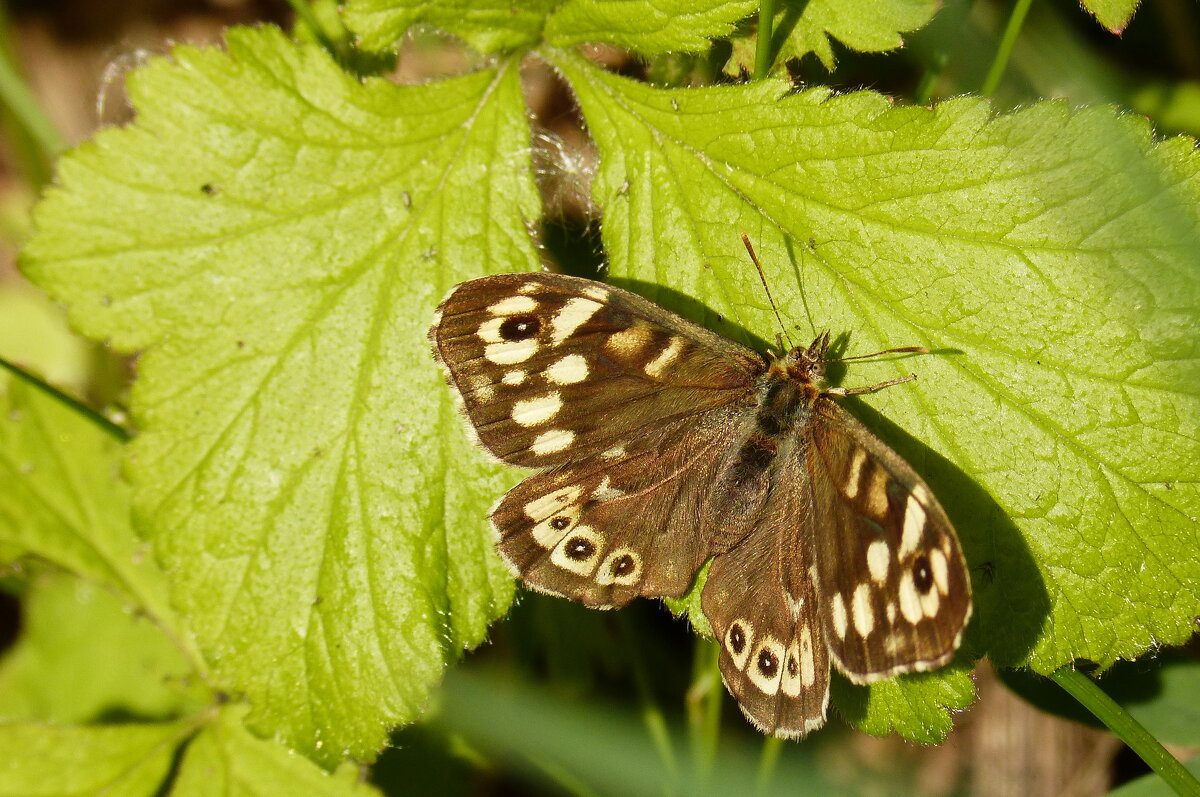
807	364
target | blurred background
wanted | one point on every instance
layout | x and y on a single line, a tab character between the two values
562	699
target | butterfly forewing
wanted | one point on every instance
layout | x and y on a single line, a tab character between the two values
894	586
553	368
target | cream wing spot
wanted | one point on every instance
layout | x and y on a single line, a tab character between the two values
837	611
877	499
529	287
569	370
910	600
514	377
605	491
930	602
512	305
941	570
550	531
574	314
808	662
914	524
879	557
552	503
552	441
629	341
489	331
855	473
534	411
790	684
597	292
665	357
616	452
864	616
510	352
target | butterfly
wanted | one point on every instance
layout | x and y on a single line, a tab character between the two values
662	446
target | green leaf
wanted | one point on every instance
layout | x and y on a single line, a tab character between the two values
83	657
866	26
914	706
1046	257
58	761
1112	14
64	500
227	759
490	26
646	26
276	234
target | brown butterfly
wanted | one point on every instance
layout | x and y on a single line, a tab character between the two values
664	445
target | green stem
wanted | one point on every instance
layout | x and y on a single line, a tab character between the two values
652	715
704	708
767	763
27	114
1127	729
762	52
70	401
1000	62
304	13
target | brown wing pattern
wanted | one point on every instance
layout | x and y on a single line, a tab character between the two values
610	528
553	369
763	605
896	590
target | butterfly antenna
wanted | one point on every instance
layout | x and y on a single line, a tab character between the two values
901	350
763	278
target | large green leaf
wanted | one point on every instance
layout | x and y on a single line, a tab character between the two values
63	500
62	761
1047	256
492	26
84	657
275	234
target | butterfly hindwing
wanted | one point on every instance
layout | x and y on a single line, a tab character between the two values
761	600
618	525
553	368
894	585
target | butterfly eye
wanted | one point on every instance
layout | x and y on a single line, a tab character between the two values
922	574
768	663
520	327
737	638
580	548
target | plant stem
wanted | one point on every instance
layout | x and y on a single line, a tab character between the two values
652	715
1000	62
27	114
762	52
1127	729
73	403
767	762
704	708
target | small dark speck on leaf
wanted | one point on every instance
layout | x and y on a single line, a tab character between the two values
241	344
208	189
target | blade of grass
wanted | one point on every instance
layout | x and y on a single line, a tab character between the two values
652	715
1004	51
704	707
1127	729
119	432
